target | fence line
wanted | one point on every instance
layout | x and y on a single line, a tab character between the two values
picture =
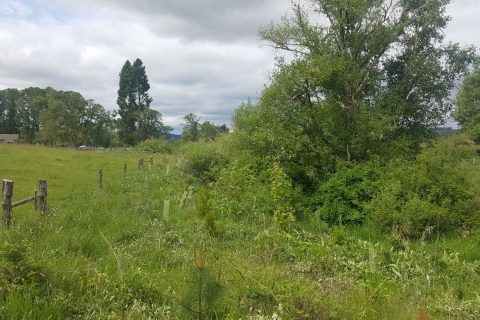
41	194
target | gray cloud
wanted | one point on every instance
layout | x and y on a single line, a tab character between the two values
220	20
200	56
463	27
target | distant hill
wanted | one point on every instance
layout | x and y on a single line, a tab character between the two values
173	137
446	130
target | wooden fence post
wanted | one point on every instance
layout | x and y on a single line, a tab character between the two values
36	200
124	170
182	199
100	179
166	210
42	188
7	192
140	163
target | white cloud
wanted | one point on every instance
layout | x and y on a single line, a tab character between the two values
463	27
14	8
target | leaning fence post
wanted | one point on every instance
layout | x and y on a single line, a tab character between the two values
100	179
42	188
7	192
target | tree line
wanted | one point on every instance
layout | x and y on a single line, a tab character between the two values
66	118
51	117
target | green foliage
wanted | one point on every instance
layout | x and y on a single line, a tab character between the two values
59	125
204	290
110	255
191	127
9	109
203	203
97	125
137	121
155	146
61	118
242	190
193	130
342	198
281	193
278	129
208	131
204	160
347	93
468	104
204	207
430	194
18	266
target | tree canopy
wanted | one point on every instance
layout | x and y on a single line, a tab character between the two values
468	104
138	122
367	77
52	117
193	130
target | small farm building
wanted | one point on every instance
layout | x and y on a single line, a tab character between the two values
8	138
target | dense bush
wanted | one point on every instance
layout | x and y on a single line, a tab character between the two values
155	146
204	160
429	195
342	198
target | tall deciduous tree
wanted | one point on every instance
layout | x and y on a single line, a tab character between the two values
367	77
137	121
191	127
54	117
9	110
468	104
32	102
96	124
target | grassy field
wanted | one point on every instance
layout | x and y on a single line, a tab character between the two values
113	254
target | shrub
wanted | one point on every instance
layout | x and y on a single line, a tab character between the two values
204	160
342	198
155	146
281	193
430	194
242	190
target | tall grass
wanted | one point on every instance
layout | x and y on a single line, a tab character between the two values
109	254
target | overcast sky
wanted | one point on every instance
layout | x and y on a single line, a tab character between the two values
201	56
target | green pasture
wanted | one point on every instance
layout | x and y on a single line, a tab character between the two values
113	254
